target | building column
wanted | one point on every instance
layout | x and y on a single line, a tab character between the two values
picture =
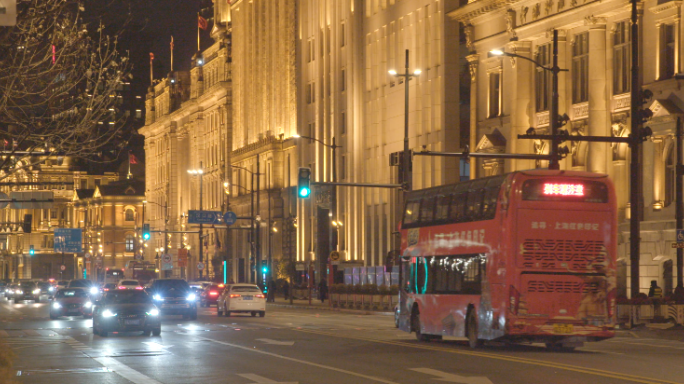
658	173
598	154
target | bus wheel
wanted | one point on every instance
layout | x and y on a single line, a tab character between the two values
415	324
471	330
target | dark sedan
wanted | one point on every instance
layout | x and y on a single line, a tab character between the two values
71	302
27	290
126	311
211	294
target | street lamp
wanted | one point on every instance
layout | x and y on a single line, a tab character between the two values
255	243
199	172
166	220
554	161
406	163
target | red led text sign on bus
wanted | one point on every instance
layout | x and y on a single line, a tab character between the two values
558	189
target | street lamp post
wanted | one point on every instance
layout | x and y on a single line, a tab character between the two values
200	173
554	119
166	221
407	168
254	220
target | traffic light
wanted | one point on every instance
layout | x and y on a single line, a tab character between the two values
26	225
264	266
304	183
146	232
31	250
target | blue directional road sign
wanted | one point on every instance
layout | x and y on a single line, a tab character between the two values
204	217
680	235
68	240
229	218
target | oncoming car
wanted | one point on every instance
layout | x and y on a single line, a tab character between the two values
71	302
126	310
242	298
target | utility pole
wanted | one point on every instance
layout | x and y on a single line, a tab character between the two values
554	163
679	172
258	222
635	174
407	163
201	232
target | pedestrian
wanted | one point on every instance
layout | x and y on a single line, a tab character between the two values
323	290
286	289
655	291
271	290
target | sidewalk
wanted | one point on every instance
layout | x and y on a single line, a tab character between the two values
316	305
666	331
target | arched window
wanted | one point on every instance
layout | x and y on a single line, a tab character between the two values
130	215
130	243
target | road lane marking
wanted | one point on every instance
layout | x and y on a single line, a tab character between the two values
251	349
276	342
524	360
125	371
452	378
262	380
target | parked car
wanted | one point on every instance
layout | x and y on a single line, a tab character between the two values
174	297
71	302
27	290
242	298
126	310
210	294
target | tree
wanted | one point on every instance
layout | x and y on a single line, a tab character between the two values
59	79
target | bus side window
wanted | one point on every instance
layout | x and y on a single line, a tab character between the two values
406	275
411	212
427	210
472	279
412	278
474	204
442	210
456	212
489	207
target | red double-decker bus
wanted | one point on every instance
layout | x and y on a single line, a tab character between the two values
523	257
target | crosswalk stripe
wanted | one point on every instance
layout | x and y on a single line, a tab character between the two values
32	332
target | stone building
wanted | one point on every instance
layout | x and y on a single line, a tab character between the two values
510	95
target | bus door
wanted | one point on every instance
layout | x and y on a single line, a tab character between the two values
404	321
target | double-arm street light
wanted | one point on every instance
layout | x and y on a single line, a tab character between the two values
554	121
407	177
199	172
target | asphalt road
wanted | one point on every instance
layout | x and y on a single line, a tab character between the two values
305	346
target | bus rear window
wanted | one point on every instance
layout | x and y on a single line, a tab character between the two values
565	190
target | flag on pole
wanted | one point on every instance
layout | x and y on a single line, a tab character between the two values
131	158
202	22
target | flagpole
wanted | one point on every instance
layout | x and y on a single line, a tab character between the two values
198	32
171	53
129	165
151	69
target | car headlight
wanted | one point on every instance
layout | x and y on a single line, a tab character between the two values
51	289
191	297
93	290
157	297
19	292
153	312
36	291
108	313
88	304
56	306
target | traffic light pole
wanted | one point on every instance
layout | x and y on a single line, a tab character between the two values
635	175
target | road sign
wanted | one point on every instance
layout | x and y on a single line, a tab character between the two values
334	256
200	266
138	256
677	245
62	267
229	218
680	235
204	217
68	240
87	255
166	258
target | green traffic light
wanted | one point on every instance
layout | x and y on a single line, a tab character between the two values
304	192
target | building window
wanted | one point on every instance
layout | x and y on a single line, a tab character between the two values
543	78
494	94
84	183
622	58
667	51
343	167
130	243
670	175
311	50
343	123
98	182
342	38
343	80
580	68
130	216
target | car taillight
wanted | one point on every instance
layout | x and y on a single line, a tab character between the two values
260	296
122	287
212	293
139	288
234	295
106	289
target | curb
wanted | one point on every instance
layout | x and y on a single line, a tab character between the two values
313	307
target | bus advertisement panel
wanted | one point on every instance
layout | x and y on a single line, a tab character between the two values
523	257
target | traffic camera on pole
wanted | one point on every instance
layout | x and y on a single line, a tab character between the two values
304	183
146	232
